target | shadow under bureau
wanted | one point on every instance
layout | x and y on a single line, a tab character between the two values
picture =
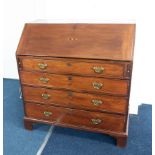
77	76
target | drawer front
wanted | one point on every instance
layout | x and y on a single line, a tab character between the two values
99	85
75	67
76	100
78	118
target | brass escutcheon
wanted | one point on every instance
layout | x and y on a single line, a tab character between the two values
72	39
97	85
45	96
47	113
96	121
42	65
96	102
44	80
98	70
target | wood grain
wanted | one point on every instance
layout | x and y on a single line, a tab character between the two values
76	100
93	41
67	54
75	67
76	117
77	83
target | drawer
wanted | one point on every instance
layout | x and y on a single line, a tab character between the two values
77	118
65	66
76	83
76	100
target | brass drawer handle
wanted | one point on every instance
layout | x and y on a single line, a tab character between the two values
97	85
97	102
45	96
44	80
96	121
42	65
47	113
98	70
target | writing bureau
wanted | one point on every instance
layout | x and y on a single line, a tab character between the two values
77	76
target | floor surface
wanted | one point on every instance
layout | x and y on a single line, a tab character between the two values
65	141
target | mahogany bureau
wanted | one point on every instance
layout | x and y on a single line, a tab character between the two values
77	76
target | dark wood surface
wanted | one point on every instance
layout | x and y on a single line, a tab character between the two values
121	141
76	117
72	99
28	125
93	41
64	55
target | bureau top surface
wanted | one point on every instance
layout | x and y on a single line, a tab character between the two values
88	41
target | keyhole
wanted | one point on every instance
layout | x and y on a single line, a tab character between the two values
69	78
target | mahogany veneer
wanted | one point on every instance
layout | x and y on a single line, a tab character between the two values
77	75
